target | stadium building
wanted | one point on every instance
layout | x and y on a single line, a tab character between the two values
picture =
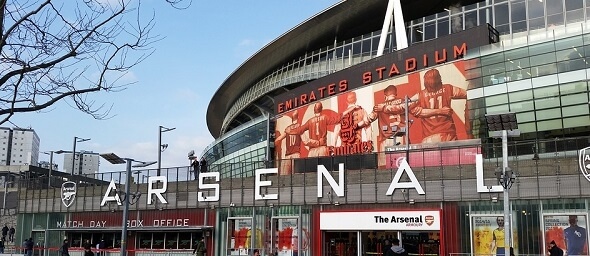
375	120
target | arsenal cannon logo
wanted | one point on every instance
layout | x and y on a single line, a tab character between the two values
585	162
68	193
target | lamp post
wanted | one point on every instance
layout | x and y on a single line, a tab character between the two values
161	147
114	159
504	126
50	153
403	131
76	140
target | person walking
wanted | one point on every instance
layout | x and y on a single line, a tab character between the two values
2	246
200	248
4	231
396	250
64	249
11	232
29	247
554	250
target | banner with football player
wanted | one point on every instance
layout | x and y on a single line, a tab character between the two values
372	118
488	235
568	231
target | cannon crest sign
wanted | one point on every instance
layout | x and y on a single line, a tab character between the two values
68	193
585	162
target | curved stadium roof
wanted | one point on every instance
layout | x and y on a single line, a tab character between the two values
344	20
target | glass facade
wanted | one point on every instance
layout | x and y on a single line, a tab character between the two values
545	83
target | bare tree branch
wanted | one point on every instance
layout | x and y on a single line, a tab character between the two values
53	50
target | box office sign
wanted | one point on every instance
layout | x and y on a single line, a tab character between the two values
381	220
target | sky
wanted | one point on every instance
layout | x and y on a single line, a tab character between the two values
200	47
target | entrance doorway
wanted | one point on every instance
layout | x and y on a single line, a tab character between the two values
340	243
374	243
421	243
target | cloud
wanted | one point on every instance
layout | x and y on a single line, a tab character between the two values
186	94
246	42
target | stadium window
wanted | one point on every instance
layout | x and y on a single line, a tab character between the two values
470	19
184	240
442	27
429	30
145	240
158	240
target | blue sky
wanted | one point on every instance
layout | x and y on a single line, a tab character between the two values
201	46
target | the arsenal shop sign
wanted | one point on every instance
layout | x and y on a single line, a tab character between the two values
380	220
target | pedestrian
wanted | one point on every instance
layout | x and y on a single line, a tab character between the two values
87	245
200	248
256	252
386	246
203	165
396	250
64	249
29	247
196	168
2	246
11	232
4	231
554	250
88	252
101	247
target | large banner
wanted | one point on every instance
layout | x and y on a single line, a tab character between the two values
488	235
240	239
372	118
568	231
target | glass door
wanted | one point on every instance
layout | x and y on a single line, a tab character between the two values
338	243
421	242
285	236
239	236
377	242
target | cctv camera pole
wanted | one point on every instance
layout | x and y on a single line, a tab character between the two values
159	149
506	179
126	208
161	129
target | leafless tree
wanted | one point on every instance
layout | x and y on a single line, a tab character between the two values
66	49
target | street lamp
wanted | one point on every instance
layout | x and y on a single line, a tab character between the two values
76	140
161	147
402	131
504	126
114	159
50	153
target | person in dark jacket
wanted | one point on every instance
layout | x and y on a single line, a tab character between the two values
396	250
64	249
2	246
554	250
200	248
29	246
88	252
203	165
386	245
87	245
